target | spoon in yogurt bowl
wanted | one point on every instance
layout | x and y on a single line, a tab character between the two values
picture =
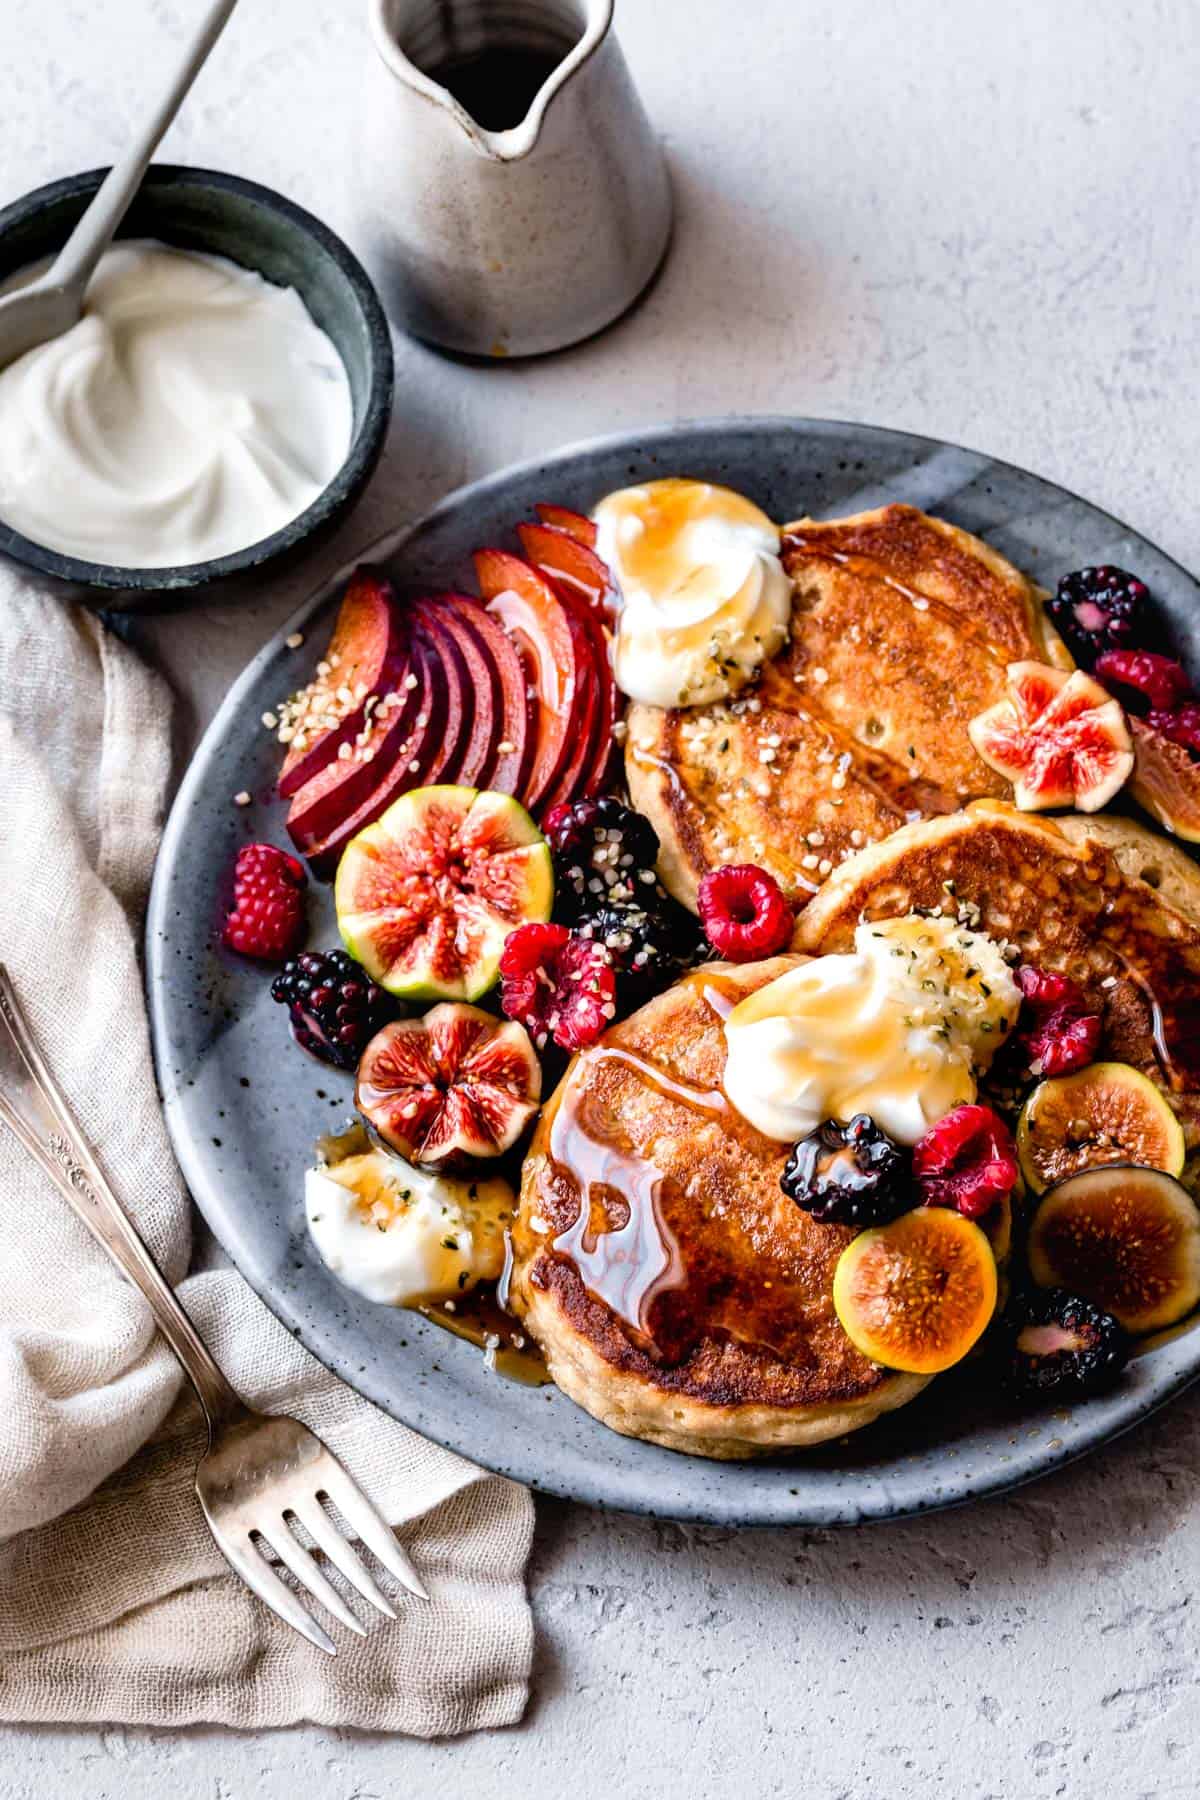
52	304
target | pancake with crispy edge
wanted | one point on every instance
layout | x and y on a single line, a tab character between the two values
902	627
694	1305
739	1352
1101	899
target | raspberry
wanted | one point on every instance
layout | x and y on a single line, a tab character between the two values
1159	681
744	913
1043	989
1063	1041
967	1160
558	985
334	1006
267	920
1056	1033
1102	609
1180	726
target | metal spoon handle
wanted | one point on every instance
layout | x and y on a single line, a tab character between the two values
94	232
36	1113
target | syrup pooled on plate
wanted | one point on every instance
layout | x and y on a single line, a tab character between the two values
479	1317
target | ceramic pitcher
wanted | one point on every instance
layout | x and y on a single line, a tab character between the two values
518	241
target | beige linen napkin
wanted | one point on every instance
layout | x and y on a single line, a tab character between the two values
114	1603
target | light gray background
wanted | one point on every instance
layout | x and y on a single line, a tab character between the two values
966	218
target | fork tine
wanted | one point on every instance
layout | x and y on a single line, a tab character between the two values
374	1531
258	1574
307	1573
344	1556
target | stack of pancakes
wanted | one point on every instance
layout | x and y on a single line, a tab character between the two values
677	1293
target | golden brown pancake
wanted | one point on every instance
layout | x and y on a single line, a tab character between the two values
1103	900
691	1304
902	627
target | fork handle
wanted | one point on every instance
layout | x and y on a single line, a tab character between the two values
36	1113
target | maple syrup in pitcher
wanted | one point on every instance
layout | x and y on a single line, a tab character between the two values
496	86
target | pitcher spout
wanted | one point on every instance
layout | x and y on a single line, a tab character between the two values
493	70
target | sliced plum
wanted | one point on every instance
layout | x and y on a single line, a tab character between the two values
516	743
577	525
365	658
590	724
407	771
335	791
451	723
548	636
569	563
478	757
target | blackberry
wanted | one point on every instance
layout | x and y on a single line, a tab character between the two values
1060	1347
648	945
604	854
334	1006
849	1174
1102	609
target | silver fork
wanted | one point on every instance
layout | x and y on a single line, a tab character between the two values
260	1475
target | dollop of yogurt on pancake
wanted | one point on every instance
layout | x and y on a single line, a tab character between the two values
401	1235
899	1028
704	596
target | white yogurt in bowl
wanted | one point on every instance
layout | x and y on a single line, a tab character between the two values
195	409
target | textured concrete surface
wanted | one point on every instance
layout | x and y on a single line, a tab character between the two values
977	221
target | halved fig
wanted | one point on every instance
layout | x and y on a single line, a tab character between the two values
364	659
515	743
575	523
1166	781
453	1085
427	895
1128	1239
917	1294
1060	739
548	637
1106	1113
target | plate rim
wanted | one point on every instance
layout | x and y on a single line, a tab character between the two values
773	1511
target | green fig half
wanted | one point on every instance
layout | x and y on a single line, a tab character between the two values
1106	1113
427	895
1127	1239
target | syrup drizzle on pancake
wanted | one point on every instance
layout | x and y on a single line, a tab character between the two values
629	1265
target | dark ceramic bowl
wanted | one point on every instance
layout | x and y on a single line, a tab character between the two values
202	209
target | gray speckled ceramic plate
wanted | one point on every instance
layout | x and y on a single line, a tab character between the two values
244	1107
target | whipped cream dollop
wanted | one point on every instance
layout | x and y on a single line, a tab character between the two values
401	1235
704	597
898	1028
194	409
